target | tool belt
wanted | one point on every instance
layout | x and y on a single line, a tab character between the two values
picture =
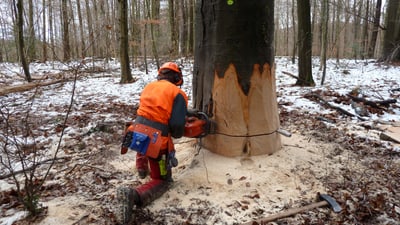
144	136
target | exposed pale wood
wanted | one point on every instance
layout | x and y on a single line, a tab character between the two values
246	125
391	134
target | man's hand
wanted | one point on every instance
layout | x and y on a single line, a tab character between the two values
192	112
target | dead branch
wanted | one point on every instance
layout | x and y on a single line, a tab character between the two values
28	86
291	75
324	102
375	104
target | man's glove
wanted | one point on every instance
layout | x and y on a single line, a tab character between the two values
192	112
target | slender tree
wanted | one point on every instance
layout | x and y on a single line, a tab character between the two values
234	79
324	38
31	31
374	36
65	31
19	12
44	32
305	44
126	75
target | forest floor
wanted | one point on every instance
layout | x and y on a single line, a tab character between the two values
328	153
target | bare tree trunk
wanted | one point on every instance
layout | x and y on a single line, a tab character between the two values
374	37
153	41
51	31
294	32
173	30
44	31
74	34
391	42
65	30
191	27
126	75
19	12
305	44
31	31
364	43
81	32
324	38
234	78
182	28
90	28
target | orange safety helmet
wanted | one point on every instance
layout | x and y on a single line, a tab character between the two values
176	75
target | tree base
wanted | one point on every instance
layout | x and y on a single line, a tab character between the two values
246	125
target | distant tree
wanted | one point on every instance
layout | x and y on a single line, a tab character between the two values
391	42
324	38
19	12
31	31
81	32
65	31
44	33
173	27
374	37
126	75
152	20
305	44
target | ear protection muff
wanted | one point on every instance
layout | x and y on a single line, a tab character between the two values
178	79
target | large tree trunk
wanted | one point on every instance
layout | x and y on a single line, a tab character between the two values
391	41
234	77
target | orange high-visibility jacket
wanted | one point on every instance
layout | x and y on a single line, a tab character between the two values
162	101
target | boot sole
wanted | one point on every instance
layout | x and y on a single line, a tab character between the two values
125	210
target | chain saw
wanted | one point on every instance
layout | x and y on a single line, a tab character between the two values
198	125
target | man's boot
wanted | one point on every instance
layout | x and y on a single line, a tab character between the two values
150	191
126	198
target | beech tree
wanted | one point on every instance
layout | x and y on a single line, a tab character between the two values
234	76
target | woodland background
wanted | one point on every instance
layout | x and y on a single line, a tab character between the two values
69	29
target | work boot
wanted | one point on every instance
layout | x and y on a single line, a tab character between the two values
150	191
126	197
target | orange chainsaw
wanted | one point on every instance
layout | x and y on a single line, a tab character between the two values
198	125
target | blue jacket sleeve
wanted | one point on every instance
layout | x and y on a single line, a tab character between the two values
177	120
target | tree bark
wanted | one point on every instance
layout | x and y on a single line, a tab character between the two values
44	31
305	44
65	31
21	45
391	42
126	75
374	37
31	28
324	38
234	78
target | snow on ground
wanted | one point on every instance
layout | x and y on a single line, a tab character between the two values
243	186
